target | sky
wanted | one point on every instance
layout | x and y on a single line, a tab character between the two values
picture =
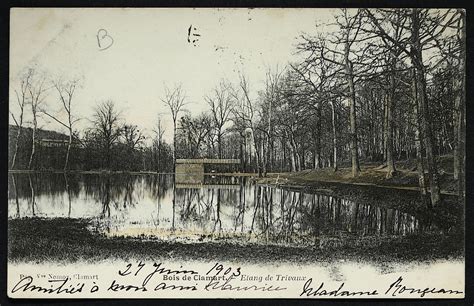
150	50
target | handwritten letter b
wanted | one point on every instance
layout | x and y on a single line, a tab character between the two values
104	40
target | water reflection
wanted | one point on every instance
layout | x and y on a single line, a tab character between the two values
221	207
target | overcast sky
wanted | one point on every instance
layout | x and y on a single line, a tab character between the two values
150	49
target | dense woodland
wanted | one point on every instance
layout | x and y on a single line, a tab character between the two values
385	85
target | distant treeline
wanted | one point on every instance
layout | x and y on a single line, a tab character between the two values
85	153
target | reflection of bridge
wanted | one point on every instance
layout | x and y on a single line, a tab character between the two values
191	171
207	186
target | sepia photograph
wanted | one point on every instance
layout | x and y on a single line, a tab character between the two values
236	153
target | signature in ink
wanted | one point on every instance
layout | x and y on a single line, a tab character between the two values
104	40
57	286
193	37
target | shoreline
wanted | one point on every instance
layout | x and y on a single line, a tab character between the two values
104	172
70	240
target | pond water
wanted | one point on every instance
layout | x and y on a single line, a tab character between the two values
220	207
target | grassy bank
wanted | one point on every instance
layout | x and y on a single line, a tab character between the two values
69	240
372	174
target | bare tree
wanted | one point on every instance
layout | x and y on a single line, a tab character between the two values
390	26
159	131
132	136
392	21
106	121
66	90
320	75
346	59
133	139
424	27
244	113
421	97
350	28
293	118
195	130
271	96
334	136
453	52
37	91
175	100
221	104
21	98
460	107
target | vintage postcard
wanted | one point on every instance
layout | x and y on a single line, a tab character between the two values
236	153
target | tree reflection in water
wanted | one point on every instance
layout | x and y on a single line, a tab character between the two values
68	194
15	190
33	195
220	207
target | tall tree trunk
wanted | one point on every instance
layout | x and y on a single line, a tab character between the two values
302	159
292	157
272	156
15	152
258	158
283	158
241	154
317	157
418	143
314	155
264	157
219	143
107	155
268	138
352	115
424	109
389	127
68	150
334	137
385	126
459	120
174	146
158	162
33	142
317	151
296	161
19	125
